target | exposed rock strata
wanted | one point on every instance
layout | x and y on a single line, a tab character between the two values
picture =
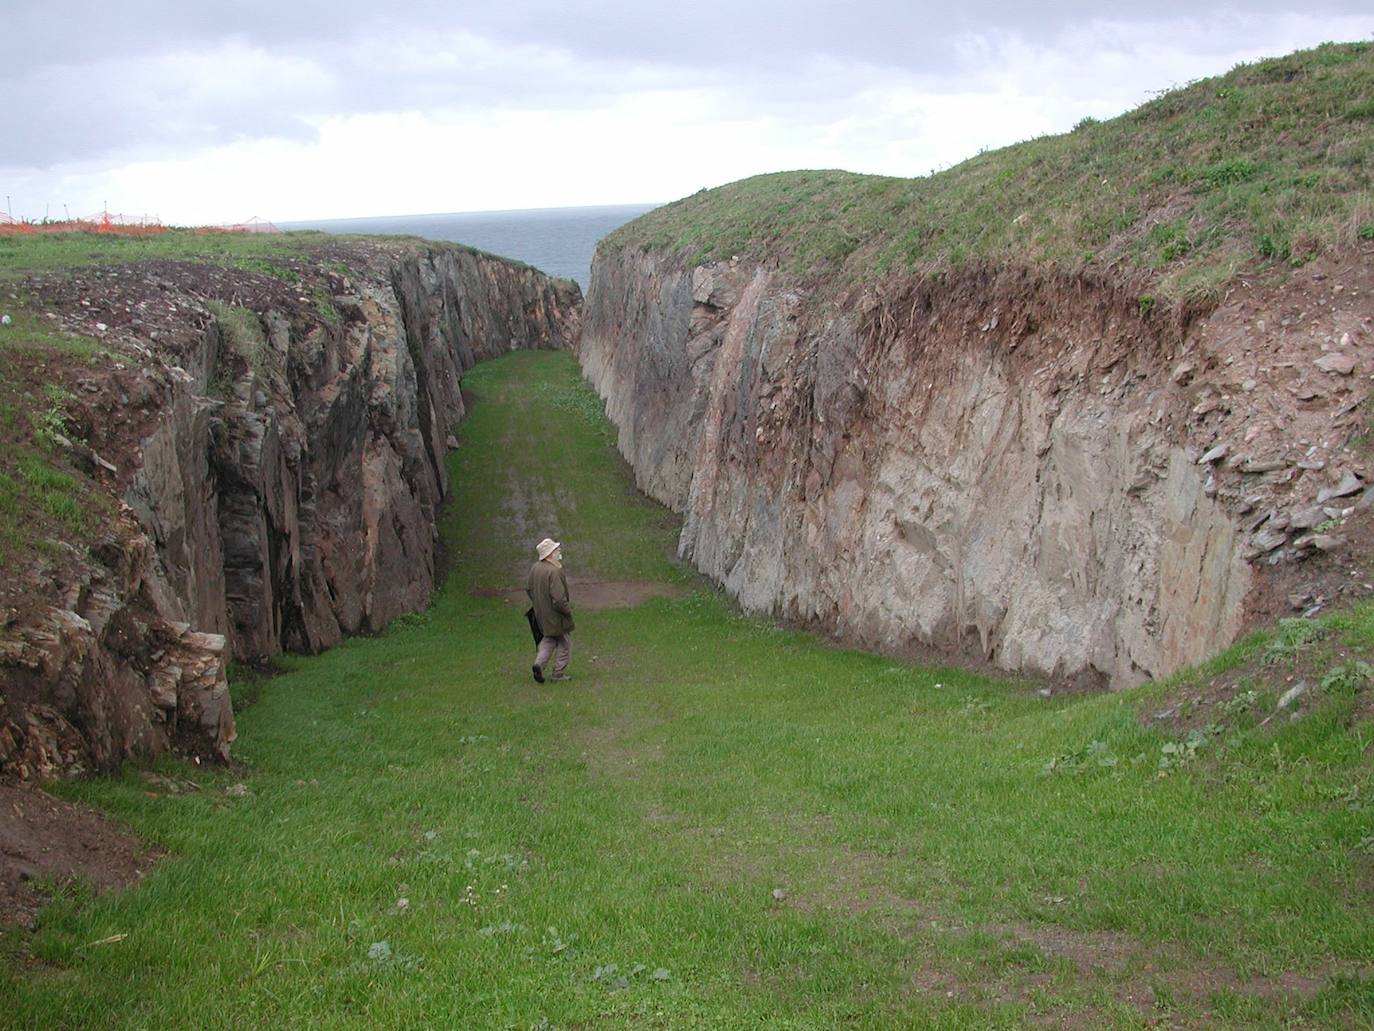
277	443
1012	463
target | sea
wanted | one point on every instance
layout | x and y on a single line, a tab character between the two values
558	241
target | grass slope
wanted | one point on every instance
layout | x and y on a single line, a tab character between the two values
1269	164
716	824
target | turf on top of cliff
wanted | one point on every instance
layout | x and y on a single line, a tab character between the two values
1265	166
271	253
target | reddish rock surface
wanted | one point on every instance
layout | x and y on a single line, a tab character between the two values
1013	464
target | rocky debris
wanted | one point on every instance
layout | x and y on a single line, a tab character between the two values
87	689
1335	362
1350	484
1307	518
1294	693
1266	541
1299	600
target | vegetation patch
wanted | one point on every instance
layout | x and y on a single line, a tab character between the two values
29	332
43	496
1259	165
55	251
244	347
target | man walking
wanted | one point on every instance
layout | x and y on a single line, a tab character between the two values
548	590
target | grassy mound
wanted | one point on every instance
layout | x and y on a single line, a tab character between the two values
716	824
1267	165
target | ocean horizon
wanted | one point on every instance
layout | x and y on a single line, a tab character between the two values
557	241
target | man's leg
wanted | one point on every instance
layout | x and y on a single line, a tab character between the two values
546	648
561	656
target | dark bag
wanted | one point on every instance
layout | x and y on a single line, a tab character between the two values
534	625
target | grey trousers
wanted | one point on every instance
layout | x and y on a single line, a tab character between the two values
560	648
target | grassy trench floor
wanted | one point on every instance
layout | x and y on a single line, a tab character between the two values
716	824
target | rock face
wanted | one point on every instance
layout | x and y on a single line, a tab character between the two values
278	446
1001	462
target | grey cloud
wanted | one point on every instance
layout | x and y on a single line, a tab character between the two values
114	90
704	33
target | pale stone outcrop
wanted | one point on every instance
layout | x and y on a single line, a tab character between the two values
1013	464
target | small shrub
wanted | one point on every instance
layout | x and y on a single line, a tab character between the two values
1293	635
1146	304
1346	678
9	495
50	424
287	275
1270	247
1085	123
1172	239
1173	754
1366	231
243	336
1093	755
1227	173
324	307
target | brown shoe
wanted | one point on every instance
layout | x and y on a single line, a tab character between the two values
538	673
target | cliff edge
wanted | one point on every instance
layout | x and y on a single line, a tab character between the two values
1055	408
243	455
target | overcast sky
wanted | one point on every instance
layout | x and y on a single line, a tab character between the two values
199	112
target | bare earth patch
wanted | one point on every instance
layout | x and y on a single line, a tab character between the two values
46	839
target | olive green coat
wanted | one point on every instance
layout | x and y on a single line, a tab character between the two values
548	590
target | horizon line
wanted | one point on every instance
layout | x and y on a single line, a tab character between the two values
485	211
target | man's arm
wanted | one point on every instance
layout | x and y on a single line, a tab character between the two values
559	595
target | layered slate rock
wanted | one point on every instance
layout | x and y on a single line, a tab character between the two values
277	444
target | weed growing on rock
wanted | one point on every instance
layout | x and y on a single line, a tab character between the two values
49	423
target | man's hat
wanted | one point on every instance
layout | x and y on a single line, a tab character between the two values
547	547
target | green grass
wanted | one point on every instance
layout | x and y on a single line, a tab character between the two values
1269	163
49	251
30	332
271	254
932	872
40	497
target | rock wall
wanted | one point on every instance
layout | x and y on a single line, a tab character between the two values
277	441
1025	466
